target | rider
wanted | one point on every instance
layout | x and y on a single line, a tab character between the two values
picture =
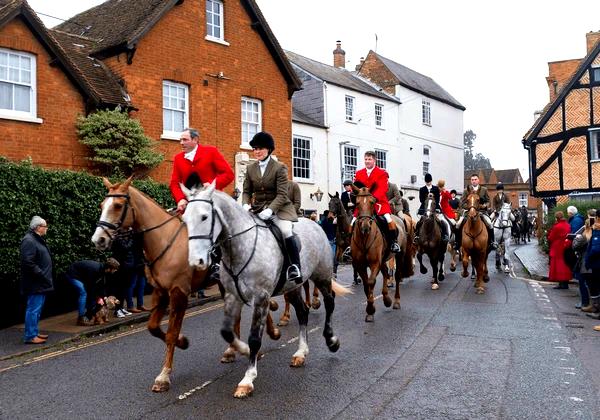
198	164
404	201
424	192
447	211
348	198
394	199
499	199
266	187
454	202
484	200
295	197
376	180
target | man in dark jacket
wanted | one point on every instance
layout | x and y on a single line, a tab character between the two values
36	277
348	199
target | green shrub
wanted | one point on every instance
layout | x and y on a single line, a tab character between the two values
582	208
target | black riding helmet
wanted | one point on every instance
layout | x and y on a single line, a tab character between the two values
500	186
347	182
428	178
262	140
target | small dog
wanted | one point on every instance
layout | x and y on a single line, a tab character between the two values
107	305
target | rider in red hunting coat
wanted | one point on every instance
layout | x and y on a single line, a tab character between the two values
376	179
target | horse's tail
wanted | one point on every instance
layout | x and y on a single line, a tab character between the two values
340	290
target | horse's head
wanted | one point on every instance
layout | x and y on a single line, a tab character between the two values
335	204
203	225
430	205
117	215
473	205
505	214
365	203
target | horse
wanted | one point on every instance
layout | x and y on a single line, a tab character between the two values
251	267
474	242
315	304
343	234
430	243
502	236
524	227
516	229
369	249
165	247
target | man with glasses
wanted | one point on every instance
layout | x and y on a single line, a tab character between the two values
36	277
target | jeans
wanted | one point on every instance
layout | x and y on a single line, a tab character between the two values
81	302
583	289
333	246
139	280
35	303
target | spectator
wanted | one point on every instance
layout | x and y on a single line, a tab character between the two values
88	277
329	224
313	216
580	243
138	276
576	222
122	249
36	277
559	271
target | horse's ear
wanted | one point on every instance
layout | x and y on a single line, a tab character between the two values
355	189
106	183
185	191
330	196
128	181
211	188
337	194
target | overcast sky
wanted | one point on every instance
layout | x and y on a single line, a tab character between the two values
491	56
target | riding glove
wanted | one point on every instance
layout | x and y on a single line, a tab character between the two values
246	207
265	214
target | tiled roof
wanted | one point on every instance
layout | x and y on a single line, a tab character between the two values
7	7
410	79
337	76
509	176
298	116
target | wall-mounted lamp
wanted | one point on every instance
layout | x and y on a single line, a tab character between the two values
317	194
236	193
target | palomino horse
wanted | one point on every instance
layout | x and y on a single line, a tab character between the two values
474	242
370	250
165	247
343	233
251	267
502	236
430	243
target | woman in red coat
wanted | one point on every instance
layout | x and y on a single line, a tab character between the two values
557	235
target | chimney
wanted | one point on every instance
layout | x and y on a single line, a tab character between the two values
358	66
339	56
591	39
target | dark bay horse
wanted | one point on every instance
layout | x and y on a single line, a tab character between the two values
343	233
474	243
430	243
370	250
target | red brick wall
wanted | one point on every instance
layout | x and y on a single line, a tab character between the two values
53	143
175	49
373	69
513	190
561	72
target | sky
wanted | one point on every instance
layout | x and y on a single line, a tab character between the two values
490	55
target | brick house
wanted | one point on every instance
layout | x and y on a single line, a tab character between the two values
212	65
564	142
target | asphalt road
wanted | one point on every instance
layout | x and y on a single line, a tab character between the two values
448	353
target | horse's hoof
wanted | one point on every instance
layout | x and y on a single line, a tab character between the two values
390	285
297	361
396	305
276	334
473	276
161	386
387	301
507	269
486	278
435	286
333	344
243	391
453	269
369	318
316	304
273	305
423	270
228	356
283	322
183	342
480	290
441	277
464	274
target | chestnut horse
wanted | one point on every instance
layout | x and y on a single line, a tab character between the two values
165	247
370	250
474	242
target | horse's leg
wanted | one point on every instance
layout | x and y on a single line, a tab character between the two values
178	304
333	343
316	303
301	309
422	268
398	278
160	301
230	331
259	315
465	263
229	353
387	300
441	255
433	260
369	286
272	331
285	316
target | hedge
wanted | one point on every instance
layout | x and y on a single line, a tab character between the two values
582	208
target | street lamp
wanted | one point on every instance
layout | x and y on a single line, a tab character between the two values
317	194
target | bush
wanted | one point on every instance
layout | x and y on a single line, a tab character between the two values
118	144
68	201
582	208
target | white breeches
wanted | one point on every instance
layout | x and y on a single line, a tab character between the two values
445	223
284	225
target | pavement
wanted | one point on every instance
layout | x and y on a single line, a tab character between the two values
533	259
63	329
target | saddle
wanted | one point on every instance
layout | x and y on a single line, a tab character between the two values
286	258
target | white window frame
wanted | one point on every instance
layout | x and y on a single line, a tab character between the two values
523	199
379	115
302	155
210	26
349	161
349	102
426	159
13	114
170	133
426	168
381	158
426	112
595	69
250	126
595	145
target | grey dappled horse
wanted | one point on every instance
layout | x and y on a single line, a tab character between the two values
250	268
502	235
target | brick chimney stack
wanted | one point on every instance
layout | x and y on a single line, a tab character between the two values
358	66
591	38
339	56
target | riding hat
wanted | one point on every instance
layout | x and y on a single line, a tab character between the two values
347	182
428	178
453	192
262	140
500	186
359	184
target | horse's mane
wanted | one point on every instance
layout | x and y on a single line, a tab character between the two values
143	194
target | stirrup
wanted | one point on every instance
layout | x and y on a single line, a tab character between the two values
293	274
416	240
395	248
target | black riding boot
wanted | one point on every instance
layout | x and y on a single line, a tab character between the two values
491	243
293	271
417	228
458	239
391	236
